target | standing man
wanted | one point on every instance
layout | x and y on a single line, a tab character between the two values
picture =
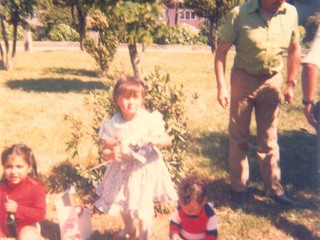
260	30
310	64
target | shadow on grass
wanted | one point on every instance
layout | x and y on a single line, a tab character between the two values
70	71
298	151
56	85
50	230
96	235
299	177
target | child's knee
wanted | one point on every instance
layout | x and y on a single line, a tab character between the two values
29	232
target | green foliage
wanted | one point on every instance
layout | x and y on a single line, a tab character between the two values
178	35
212	9
311	27
10	33
302	32
15	11
139	19
51	16
167	99
65	176
104	46
63	32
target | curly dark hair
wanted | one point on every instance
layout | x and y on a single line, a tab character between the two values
192	187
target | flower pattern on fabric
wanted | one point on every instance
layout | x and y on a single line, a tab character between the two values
142	176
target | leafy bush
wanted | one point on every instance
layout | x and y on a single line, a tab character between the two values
311	27
10	32
178	35
302	31
169	100
104	46
63	32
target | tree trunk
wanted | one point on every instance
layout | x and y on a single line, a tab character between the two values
215	41
27	40
14	41
167	14
211	37
176	18
135	60
82	17
6	58
1	55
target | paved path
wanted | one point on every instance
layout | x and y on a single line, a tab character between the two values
74	46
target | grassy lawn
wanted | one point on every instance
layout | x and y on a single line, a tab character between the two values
45	86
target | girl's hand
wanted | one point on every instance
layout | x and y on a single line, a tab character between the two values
112	150
11	206
117	152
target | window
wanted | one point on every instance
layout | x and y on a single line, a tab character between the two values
187	14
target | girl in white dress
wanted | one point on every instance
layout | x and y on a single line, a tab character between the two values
137	175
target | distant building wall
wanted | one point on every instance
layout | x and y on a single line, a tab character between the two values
186	16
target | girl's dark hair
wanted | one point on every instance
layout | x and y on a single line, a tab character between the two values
23	151
192	187
129	86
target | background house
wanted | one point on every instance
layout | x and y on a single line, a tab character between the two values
305	9
176	13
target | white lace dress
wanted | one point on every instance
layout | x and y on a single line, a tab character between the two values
142	176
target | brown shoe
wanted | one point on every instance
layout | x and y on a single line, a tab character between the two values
283	200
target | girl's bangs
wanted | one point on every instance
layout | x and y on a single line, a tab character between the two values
131	90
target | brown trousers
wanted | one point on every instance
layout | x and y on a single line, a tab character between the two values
263	94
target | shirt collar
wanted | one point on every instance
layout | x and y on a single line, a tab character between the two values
253	6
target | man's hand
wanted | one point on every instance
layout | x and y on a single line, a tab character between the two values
289	93
223	97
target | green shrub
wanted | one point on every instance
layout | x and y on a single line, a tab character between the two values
63	32
311	27
167	99
302	31
104	46
178	35
10	33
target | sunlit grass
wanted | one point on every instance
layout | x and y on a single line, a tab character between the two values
46	86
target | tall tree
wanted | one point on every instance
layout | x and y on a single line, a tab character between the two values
13	13
79	10
214	11
139	18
